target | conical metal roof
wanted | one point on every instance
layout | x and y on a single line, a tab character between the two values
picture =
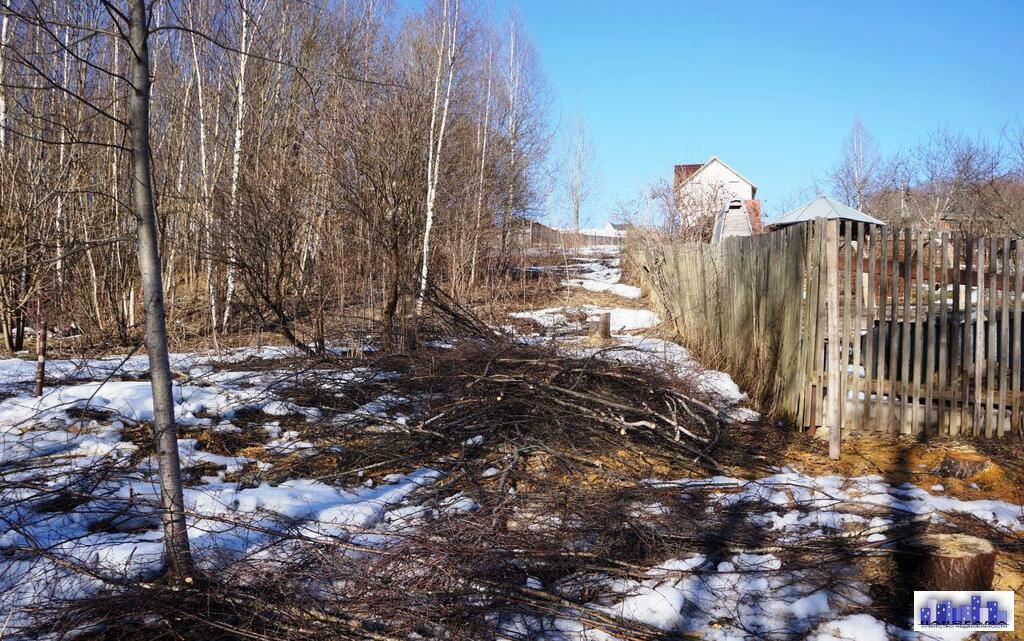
824	207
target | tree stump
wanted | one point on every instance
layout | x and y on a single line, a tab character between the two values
962	466
946	562
604	326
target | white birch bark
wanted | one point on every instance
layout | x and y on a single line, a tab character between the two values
445	55
59	214
6	4
513	131
236	159
204	174
486	126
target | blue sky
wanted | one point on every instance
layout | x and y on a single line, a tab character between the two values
772	88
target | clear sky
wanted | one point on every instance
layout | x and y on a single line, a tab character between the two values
772	87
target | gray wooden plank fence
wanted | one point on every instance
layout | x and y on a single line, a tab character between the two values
923	328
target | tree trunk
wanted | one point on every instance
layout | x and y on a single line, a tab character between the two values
513	131
8	331
390	309
236	164
486	126
40	357
179	558
439	109
204	174
5	4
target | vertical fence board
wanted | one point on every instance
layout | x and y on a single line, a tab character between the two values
978	350
884	336
928	332
990	339
857	406
837	364
906	409
813	337
793	284
846	340
968	335
870	392
895	364
916	330
1004	340
943	393
1015	360
956	335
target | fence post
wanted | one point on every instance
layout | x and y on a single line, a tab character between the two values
836	365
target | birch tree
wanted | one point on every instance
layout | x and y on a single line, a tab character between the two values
204	171
484	130
856	175
444	78
514	73
578	167
342	118
236	155
5	20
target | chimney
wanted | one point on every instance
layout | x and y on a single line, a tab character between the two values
754	212
679	177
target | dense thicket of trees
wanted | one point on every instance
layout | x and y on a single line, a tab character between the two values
296	154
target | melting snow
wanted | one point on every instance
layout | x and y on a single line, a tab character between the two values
622	319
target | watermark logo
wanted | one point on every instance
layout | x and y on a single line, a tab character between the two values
990	611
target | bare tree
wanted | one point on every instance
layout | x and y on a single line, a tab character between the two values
328	113
483	136
697	203
577	173
856	175
4	22
444	78
244	43
165	433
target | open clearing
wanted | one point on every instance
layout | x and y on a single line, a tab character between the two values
491	487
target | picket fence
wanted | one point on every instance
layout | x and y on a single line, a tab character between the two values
840	323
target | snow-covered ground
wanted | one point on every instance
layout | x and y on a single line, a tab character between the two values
600	266
748	594
78	494
622	319
77	491
601	276
732	595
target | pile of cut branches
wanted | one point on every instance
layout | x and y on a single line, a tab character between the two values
539	397
551	448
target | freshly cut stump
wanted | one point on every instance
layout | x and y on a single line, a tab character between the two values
962	466
947	562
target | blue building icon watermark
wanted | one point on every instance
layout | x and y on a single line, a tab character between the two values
990	611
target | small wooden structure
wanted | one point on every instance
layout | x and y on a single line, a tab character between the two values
822	208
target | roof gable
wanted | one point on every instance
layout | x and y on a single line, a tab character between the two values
688	176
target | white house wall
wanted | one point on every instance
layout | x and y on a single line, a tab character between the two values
711	189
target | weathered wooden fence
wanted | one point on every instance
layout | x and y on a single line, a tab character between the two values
914	331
